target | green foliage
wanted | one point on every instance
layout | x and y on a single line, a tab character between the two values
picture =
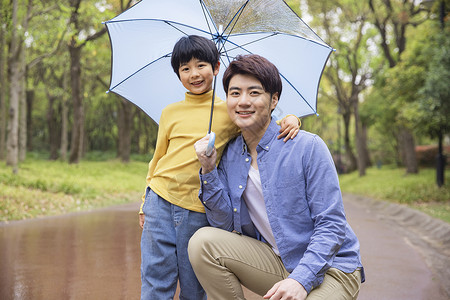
434	96
392	184
51	187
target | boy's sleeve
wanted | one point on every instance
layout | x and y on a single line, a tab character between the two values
162	143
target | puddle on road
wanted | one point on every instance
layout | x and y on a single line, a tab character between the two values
81	256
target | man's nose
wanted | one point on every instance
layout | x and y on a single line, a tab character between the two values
245	100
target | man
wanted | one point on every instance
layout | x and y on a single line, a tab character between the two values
278	220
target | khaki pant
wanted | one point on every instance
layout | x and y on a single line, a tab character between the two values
223	261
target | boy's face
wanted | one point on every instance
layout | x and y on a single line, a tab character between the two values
197	76
249	105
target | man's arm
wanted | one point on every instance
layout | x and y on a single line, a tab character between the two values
327	212
213	188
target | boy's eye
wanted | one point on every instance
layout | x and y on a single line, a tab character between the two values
184	69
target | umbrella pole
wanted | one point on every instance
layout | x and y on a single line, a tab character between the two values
212	105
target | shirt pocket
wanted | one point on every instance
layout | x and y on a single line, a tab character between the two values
289	197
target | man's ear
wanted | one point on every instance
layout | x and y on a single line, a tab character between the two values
274	101
216	68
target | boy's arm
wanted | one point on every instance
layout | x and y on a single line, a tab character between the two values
290	126
162	143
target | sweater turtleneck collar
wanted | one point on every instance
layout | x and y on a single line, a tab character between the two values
199	99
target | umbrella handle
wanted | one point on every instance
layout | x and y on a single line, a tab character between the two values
210	147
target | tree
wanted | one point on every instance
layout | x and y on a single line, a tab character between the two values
78	28
392	18
16	77
345	27
434	101
3	9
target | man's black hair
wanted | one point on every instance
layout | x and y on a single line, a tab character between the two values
194	46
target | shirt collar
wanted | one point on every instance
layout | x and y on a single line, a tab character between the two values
266	141
269	136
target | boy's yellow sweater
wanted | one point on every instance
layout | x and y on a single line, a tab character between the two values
173	171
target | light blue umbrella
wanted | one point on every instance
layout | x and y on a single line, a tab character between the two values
142	39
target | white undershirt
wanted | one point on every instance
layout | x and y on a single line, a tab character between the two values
254	199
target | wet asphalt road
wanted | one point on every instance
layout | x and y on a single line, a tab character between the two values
96	255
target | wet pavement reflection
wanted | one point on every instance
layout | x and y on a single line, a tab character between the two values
79	256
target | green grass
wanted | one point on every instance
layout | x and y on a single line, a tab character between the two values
392	184
43	187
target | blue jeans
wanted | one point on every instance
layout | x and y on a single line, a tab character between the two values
164	256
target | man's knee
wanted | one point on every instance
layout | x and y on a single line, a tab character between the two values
198	244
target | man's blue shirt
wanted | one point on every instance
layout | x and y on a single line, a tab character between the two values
303	201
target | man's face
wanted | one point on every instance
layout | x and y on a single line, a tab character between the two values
197	76
249	106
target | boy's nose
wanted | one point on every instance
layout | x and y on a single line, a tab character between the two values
195	73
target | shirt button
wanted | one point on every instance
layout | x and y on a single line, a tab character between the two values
235	210
247	159
204	202
205	182
267	147
240	186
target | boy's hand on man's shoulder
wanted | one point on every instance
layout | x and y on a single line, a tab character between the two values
290	126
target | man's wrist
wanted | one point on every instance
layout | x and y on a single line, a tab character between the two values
206	170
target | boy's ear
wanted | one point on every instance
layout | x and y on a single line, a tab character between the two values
216	68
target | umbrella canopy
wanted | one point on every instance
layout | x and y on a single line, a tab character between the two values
142	39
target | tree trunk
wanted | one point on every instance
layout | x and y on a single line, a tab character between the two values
365	149
78	111
358	139
52	123
64	130
15	76
440	162
30	99
351	164
407	145
124	124
22	122
3	87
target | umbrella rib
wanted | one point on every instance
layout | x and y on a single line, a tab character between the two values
239	12
236	16
132	74
171	23
206	10
300	94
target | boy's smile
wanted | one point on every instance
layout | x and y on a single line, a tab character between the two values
197	76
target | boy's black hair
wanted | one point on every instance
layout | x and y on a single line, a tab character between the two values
194	46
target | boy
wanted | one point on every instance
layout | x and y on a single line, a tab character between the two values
171	212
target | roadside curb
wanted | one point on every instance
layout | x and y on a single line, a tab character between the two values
429	236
